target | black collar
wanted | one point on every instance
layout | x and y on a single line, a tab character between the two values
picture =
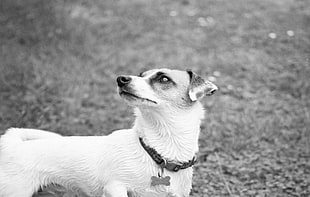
164	163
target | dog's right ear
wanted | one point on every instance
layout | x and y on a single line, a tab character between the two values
199	87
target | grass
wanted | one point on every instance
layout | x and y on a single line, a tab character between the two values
59	61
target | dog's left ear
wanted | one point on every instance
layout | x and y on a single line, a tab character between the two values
199	87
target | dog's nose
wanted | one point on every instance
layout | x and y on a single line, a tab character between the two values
123	80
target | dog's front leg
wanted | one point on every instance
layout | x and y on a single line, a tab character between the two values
114	189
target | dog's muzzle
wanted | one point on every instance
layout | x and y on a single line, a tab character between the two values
127	91
123	81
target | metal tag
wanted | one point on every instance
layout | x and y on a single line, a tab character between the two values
160	180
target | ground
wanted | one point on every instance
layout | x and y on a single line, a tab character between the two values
59	60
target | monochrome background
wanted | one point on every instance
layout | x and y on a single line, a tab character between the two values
59	61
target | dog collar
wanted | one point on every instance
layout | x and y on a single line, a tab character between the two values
164	163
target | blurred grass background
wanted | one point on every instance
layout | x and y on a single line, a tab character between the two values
59	60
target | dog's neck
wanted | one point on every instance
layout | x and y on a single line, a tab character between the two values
173	133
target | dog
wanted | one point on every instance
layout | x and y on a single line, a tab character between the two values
152	159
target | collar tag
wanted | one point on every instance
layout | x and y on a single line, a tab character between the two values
160	181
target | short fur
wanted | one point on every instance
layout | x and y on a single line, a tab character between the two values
115	165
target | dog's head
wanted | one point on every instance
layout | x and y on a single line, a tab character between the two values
164	87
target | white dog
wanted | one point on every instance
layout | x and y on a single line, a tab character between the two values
154	158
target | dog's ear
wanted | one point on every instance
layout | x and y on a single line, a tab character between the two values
199	87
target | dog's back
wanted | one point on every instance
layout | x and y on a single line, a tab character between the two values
14	136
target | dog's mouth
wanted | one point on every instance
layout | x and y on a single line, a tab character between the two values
130	95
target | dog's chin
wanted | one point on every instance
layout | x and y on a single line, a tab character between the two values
134	99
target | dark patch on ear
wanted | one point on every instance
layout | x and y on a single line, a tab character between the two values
141	74
199	94
195	80
198	87
190	73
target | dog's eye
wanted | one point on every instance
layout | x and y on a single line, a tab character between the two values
164	79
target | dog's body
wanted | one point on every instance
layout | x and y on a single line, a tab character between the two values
168	118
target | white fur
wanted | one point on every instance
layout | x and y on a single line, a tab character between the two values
103	165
